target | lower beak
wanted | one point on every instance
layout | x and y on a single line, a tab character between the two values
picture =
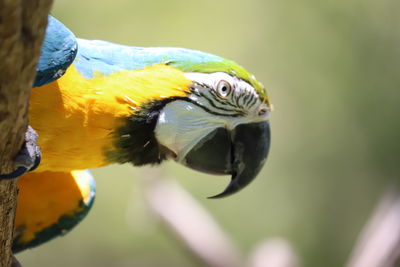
241	153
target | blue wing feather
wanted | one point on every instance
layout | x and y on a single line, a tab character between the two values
58	52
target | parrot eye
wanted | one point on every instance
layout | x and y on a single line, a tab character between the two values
224	88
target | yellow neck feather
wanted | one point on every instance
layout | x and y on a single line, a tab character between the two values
76	117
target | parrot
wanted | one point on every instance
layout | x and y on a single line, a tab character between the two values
95	103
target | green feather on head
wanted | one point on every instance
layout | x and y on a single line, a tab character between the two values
227	66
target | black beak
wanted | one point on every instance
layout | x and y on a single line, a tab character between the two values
241	153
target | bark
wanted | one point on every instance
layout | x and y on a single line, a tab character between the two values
22	26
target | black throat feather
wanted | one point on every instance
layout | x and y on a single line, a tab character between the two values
135	142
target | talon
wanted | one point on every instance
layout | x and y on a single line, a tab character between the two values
28	157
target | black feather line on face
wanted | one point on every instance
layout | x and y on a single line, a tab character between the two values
135	142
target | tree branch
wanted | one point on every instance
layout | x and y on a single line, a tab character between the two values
187	220
379	242
22	27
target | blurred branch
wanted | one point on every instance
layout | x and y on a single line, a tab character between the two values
379	242
199	232
274	252
191	223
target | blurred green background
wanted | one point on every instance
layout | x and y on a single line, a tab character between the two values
332	70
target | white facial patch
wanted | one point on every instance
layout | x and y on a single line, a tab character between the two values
181	125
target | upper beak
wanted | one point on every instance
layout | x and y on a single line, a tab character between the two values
241	153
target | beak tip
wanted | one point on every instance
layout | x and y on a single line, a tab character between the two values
232	188
221	195
218	196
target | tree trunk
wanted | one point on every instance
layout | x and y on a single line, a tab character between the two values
22	27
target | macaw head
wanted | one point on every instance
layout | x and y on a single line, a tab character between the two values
221	127
218	123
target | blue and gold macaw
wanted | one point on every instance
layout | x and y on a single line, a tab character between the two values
96	103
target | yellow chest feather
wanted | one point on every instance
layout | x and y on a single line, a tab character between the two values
76	117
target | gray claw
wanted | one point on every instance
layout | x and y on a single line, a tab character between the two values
27	157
